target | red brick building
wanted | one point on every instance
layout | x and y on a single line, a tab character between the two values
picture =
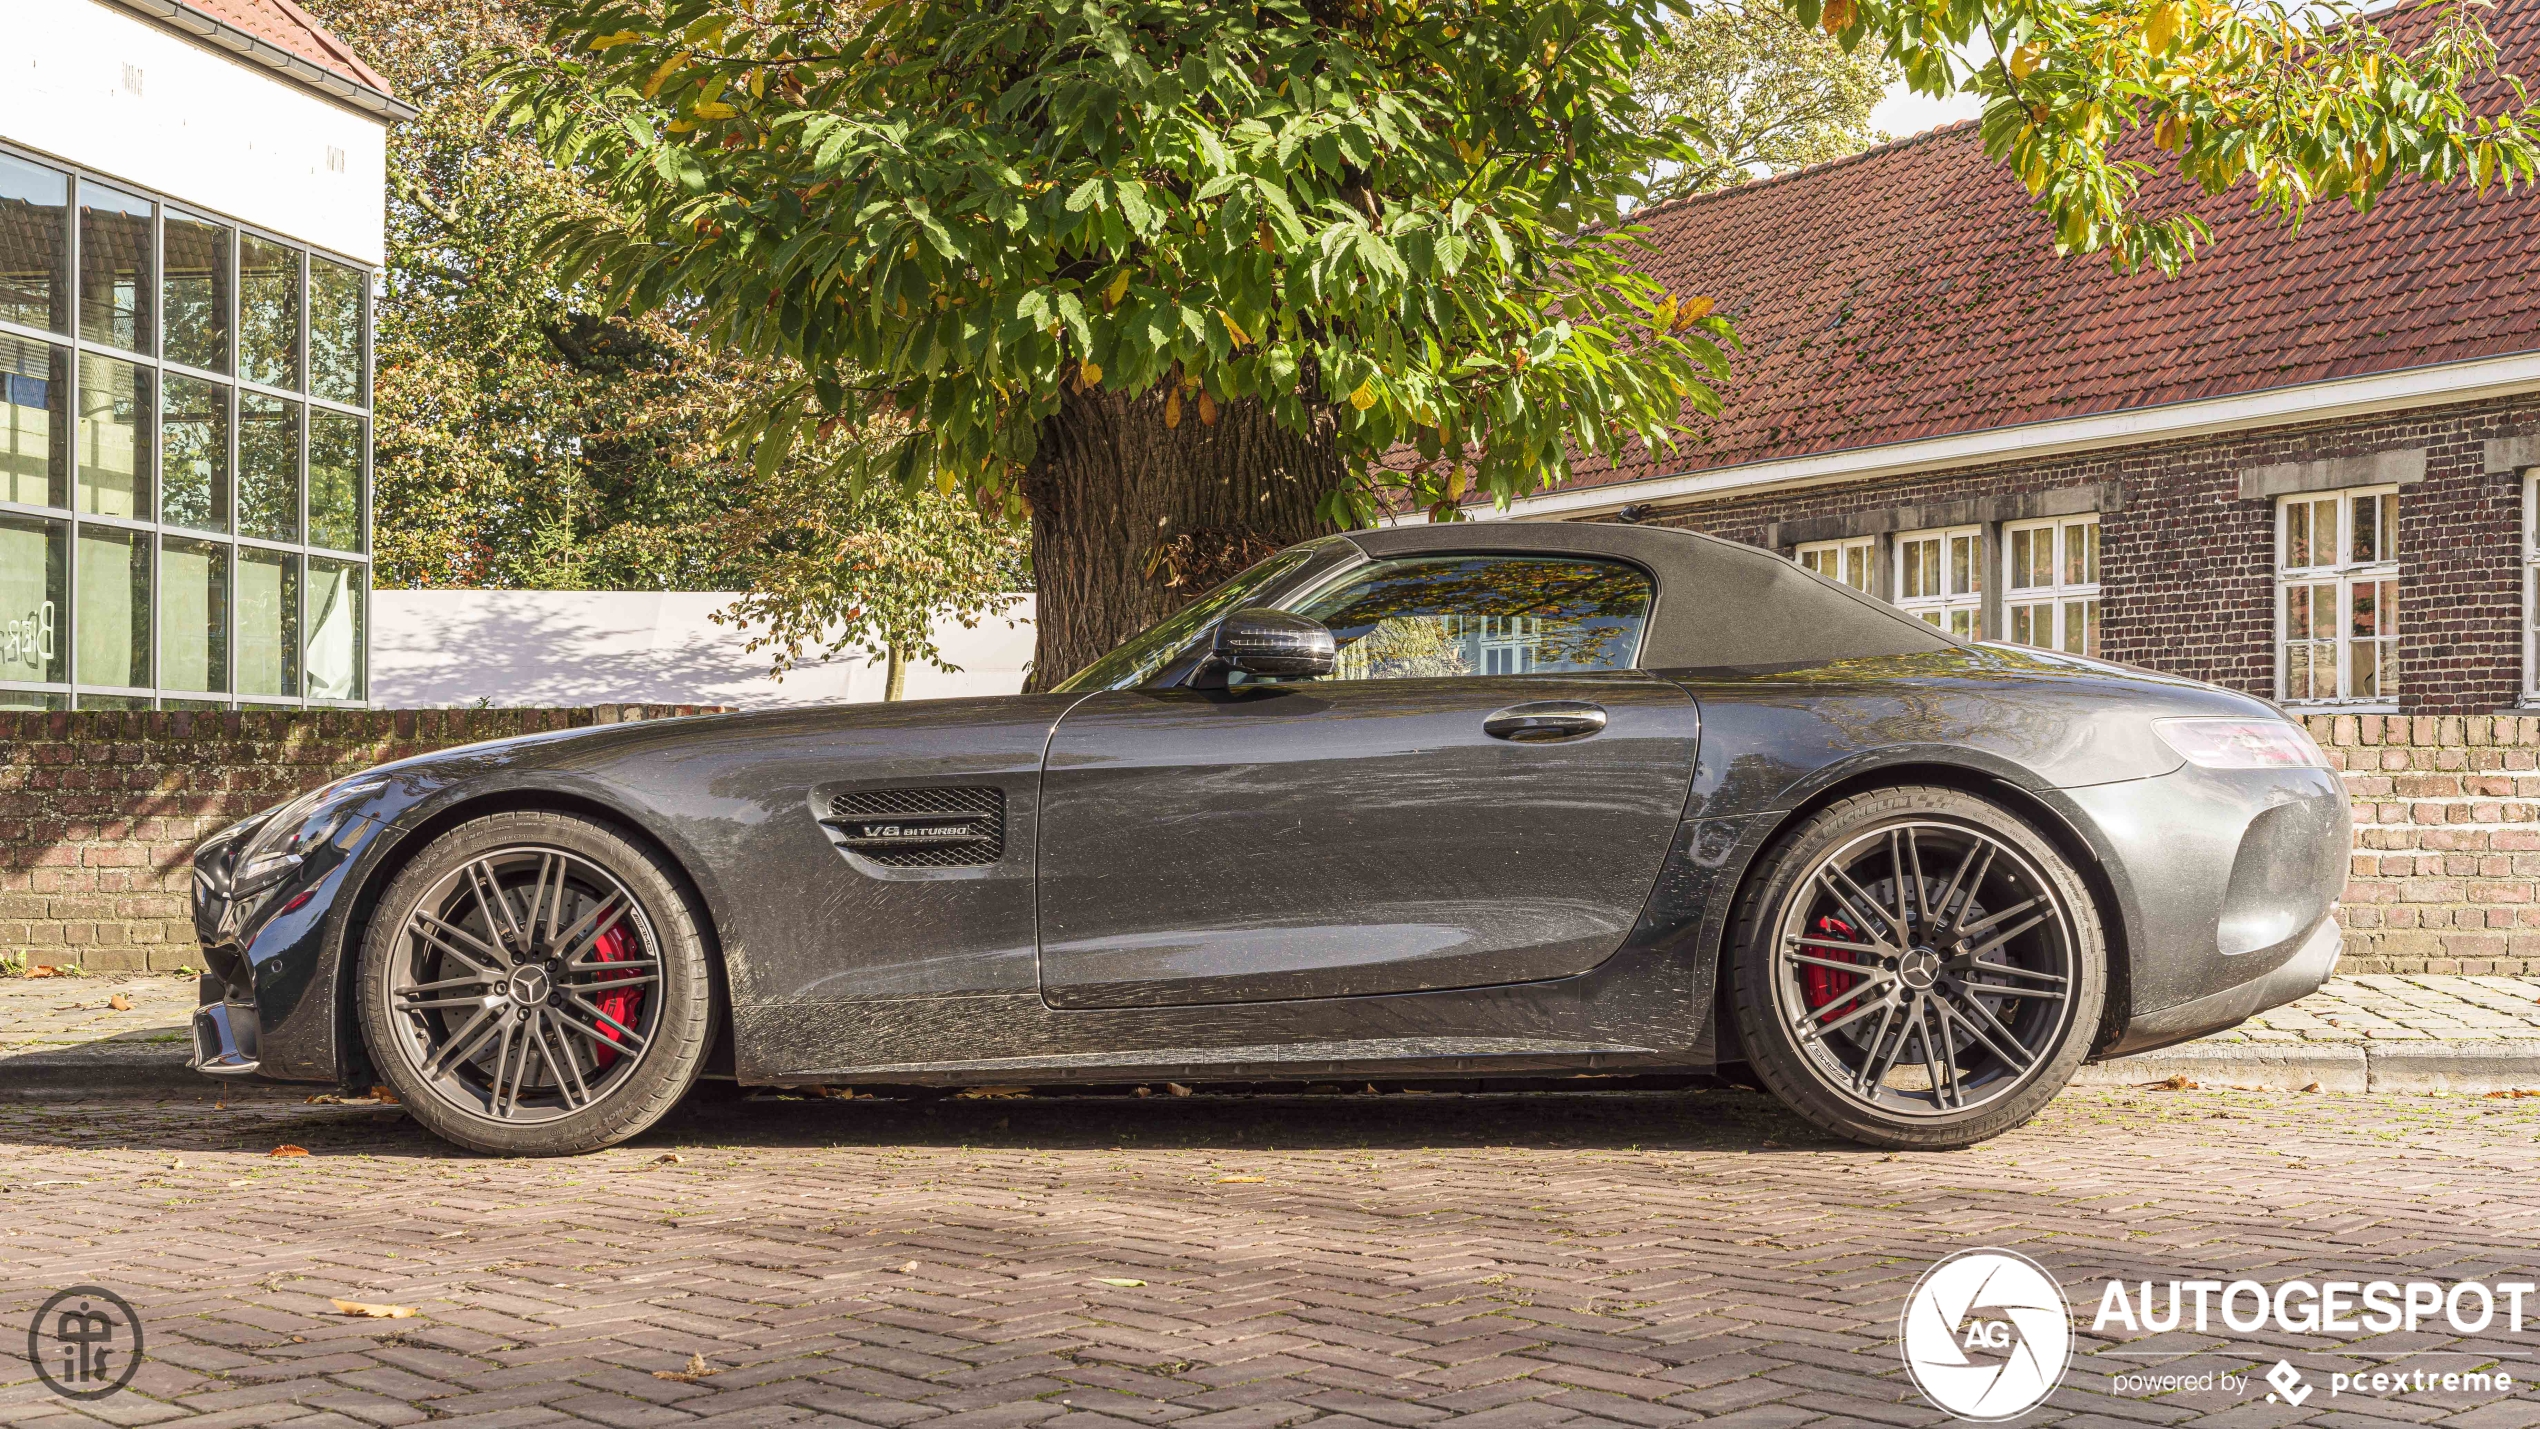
2304	468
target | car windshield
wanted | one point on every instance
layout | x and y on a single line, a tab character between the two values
1140	656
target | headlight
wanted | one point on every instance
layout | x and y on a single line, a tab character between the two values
2241	743
292	830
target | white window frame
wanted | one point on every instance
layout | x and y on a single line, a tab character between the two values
1956	610
1839	561
2343	576
2531	586
2062	603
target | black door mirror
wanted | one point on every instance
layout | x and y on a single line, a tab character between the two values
1260	641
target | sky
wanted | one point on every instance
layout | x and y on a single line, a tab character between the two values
1903	112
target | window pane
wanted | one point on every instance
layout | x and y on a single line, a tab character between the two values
1484	615
1856	567
194	299
194	454
2081	627
268	468
1962	623
33	567
35	249
268	313
1821	562
2297	613
193	615
2024	621
335	331
1918	572
2324	612
2389	525
112	617
2363	665
2323	533
335	481
35	390
2081	553
115	441
115	278
2297	533
2365	541
335	630
1966	569
268	623
2024	544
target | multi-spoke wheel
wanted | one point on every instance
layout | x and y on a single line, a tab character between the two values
1917	968
534	983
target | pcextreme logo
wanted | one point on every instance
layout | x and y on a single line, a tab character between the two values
1987	1334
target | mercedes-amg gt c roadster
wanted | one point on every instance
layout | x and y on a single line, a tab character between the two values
1463	801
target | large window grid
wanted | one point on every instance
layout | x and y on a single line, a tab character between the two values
184	483
2337	598
2050	586
1940	578
1849	562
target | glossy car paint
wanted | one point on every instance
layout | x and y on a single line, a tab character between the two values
1782	688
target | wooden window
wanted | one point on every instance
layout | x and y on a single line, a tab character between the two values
2050	585
2337	598
1845	561
1940	578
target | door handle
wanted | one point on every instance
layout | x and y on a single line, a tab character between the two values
1542	721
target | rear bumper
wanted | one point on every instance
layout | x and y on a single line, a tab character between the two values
2297	977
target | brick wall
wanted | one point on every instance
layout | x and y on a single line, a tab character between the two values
2447	841
100	810
2187	565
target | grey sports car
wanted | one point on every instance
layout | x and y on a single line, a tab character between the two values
1456	801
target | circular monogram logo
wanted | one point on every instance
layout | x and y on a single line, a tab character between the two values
1987	1334
85	1343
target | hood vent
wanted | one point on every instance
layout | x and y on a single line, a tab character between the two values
920	828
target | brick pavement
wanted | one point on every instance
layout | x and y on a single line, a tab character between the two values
1609	1261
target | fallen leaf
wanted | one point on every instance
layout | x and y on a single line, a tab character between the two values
1177	1089
669	1158
2177	1082
234	1185
2313	1087
286	1149
384	1095
972	1094
40	970
2499	1096
697	1369
1239	1180
1123	1284
909	1269
119	1003
1146	1091
374	1312
323	1099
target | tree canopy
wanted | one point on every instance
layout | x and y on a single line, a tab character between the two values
1752	91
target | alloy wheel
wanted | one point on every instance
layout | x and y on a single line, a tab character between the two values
524	985
1924	968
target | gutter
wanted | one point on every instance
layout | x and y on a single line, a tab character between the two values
194	24
2438	385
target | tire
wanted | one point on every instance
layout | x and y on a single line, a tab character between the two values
536	984
1975	1003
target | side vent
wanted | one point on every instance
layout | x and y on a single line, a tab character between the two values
921	828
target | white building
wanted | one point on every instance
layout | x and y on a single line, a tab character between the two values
191	218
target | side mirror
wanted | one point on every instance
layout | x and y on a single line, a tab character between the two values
1260	641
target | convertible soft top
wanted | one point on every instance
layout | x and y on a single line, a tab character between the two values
1721	605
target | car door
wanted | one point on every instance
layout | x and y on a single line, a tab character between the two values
1481	792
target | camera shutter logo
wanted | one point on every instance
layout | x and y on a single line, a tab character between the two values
1987	1334
85	1343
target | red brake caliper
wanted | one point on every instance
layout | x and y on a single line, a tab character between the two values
621	1004
1823	986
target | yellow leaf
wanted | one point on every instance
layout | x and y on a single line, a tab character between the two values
1365	396
610	42
286	1149
373	1312
1119	289
1240	1180
2162	27
1232	330
1836	17
119	1003
1173	409
2026	59
1691	311
1665	317
662	76
945	481
1207	410
1093	374
717	110
1455	485
1124	1284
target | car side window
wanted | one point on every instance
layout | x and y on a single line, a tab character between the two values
1432	616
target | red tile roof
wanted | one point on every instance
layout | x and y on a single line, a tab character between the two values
1910	292
286	26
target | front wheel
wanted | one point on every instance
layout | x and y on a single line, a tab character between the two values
535	984
1917	968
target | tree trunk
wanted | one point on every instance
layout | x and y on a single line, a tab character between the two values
1132	519
895	678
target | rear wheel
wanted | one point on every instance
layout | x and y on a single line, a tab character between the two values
1917	968
536	984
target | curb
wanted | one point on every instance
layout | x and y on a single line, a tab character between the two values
2355	1067
74	1074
